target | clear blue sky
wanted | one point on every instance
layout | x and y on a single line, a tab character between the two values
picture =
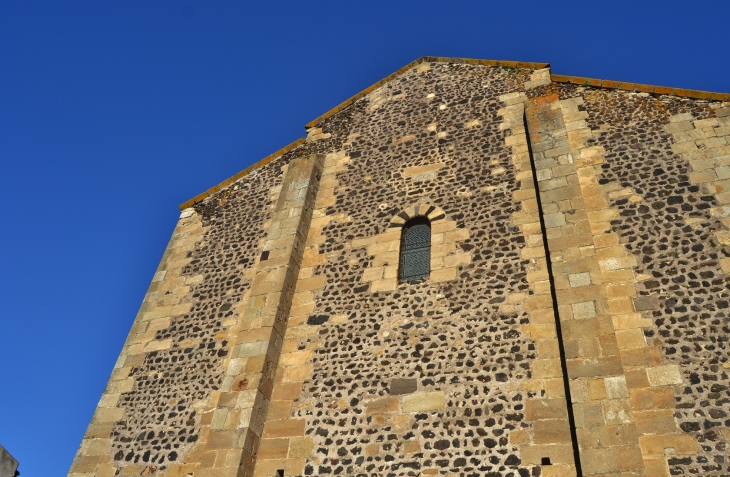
112	113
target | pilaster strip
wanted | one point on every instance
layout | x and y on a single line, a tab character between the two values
598	388
550	437
284	445
646	376
231	446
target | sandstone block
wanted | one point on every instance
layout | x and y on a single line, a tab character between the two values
554	431
255	348
227	439
669	374
157	345
273	449
617	411
579	279
646	356
655	421
519	436
554	388
547	348
295	358
546	368
656	445
422	402
108	414
725	265
656	467
557	453
539	302
298	373
611	460
596	389
314	283
287	391
584	310
388	284
616	387
556	219
559	470
636	378
96	446
382	405
284	428
99	430
616	290
538	409
585	328
279	410
300	447
631	338
579	390
84	465
537	332
646	303
442	275
608	366
592	414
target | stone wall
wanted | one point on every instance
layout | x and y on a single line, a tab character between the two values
574	321
665	162
8	464
430	378
162	397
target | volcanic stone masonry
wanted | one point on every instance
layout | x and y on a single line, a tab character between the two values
575	321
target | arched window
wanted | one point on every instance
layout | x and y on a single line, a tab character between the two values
415	250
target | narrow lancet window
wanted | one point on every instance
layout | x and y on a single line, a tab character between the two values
415	250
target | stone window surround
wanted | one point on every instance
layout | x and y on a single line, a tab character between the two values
385	248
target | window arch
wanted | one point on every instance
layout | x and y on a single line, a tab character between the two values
415	250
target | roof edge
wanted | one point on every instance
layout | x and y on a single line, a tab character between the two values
424	59
577	80
246	171
641	88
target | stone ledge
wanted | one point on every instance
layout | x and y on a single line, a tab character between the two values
579	80
641	88
200	197
424	59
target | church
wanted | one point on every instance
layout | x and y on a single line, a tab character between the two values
471	268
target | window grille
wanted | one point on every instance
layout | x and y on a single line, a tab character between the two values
415	250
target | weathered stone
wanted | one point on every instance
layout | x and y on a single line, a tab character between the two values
646	303
664	375
277	327
403	386
546	409
382	405
422	402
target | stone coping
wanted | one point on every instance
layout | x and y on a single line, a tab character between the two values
348	102
578	80
246	171
424	59
641	88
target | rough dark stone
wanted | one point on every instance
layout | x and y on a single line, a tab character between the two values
403	386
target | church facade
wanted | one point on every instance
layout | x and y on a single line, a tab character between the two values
472	268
